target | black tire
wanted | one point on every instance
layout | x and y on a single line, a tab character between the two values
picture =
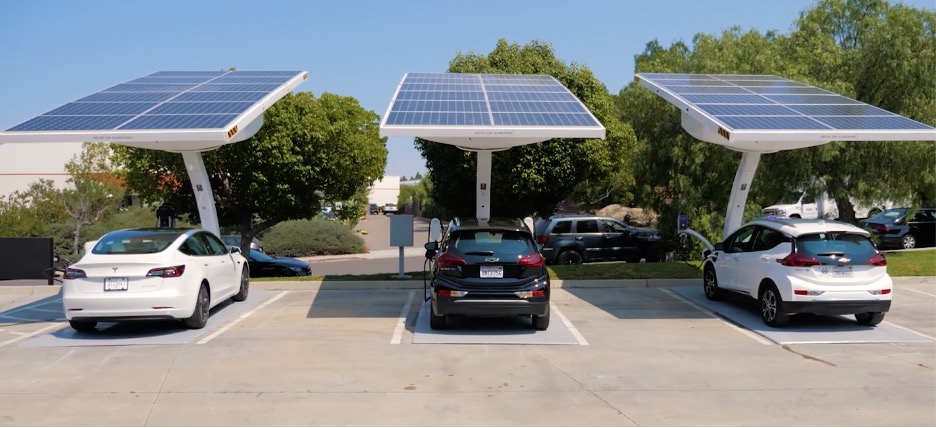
632	260
569	257
869	318
199	317
771	305
541	322
908	242
710	284
654	257
795	216
436	322
244	287
82	325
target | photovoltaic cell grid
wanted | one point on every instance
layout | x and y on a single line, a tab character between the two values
757	102
486	100
165	100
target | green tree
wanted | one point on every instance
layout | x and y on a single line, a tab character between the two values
308	150
94	192
534	178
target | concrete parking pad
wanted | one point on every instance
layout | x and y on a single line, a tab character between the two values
512	330
149	332
803	328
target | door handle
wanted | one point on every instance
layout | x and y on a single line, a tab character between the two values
765	258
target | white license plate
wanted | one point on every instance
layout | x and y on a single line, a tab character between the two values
841	272
492	271
115	284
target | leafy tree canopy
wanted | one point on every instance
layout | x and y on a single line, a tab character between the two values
308	150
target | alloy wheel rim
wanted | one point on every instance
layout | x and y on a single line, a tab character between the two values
909	242
204	302
769	305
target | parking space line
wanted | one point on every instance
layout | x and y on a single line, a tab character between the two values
240	318
31	334
578	336
917	291
744	331
910	330
401	322
18	333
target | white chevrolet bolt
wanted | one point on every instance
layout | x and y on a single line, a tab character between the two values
792	265
148	274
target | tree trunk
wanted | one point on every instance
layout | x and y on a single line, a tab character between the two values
846	210
77	250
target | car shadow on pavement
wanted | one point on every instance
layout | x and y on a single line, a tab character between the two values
335	300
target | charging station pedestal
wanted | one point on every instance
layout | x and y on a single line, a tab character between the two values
401	235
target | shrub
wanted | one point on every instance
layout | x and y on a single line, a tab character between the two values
315	237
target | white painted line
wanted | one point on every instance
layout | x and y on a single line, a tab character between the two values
35	333
911	331
744	331
401	322
240	318
917	291
18	333
578	336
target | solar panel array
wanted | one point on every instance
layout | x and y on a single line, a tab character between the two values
165	100
453	99
758	102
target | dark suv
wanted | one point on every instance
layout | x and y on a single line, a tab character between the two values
897	229
575	239
487	267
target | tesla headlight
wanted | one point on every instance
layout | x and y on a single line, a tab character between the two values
296	269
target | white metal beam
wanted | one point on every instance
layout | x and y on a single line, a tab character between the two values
204	198
739	191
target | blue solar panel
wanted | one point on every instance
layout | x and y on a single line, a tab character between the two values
486	100
165	100
747	102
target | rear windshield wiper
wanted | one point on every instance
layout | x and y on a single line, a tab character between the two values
479	253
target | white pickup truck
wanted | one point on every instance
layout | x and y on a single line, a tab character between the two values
805	205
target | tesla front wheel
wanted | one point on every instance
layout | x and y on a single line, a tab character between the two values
244	287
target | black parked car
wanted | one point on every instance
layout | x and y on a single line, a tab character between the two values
488	267
896	231
373	208
576	239
264	266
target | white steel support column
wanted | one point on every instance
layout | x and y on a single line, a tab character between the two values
484	184
204	198
739	191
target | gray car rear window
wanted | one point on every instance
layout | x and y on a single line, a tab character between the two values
842	244
504	244
134	242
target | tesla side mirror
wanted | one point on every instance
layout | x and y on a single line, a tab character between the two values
234	249
719	246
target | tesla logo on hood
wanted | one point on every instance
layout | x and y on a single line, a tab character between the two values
115	269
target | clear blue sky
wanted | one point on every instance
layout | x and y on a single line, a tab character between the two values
54	52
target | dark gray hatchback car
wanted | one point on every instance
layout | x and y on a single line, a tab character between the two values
488	267
575	239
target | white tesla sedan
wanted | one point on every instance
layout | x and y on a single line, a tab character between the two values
146	274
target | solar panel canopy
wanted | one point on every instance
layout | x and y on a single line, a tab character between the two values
167	110
487	111
766	113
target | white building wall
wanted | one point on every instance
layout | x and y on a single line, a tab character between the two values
384	191
23	164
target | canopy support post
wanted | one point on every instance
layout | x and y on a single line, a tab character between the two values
739	191
484	184
204	198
